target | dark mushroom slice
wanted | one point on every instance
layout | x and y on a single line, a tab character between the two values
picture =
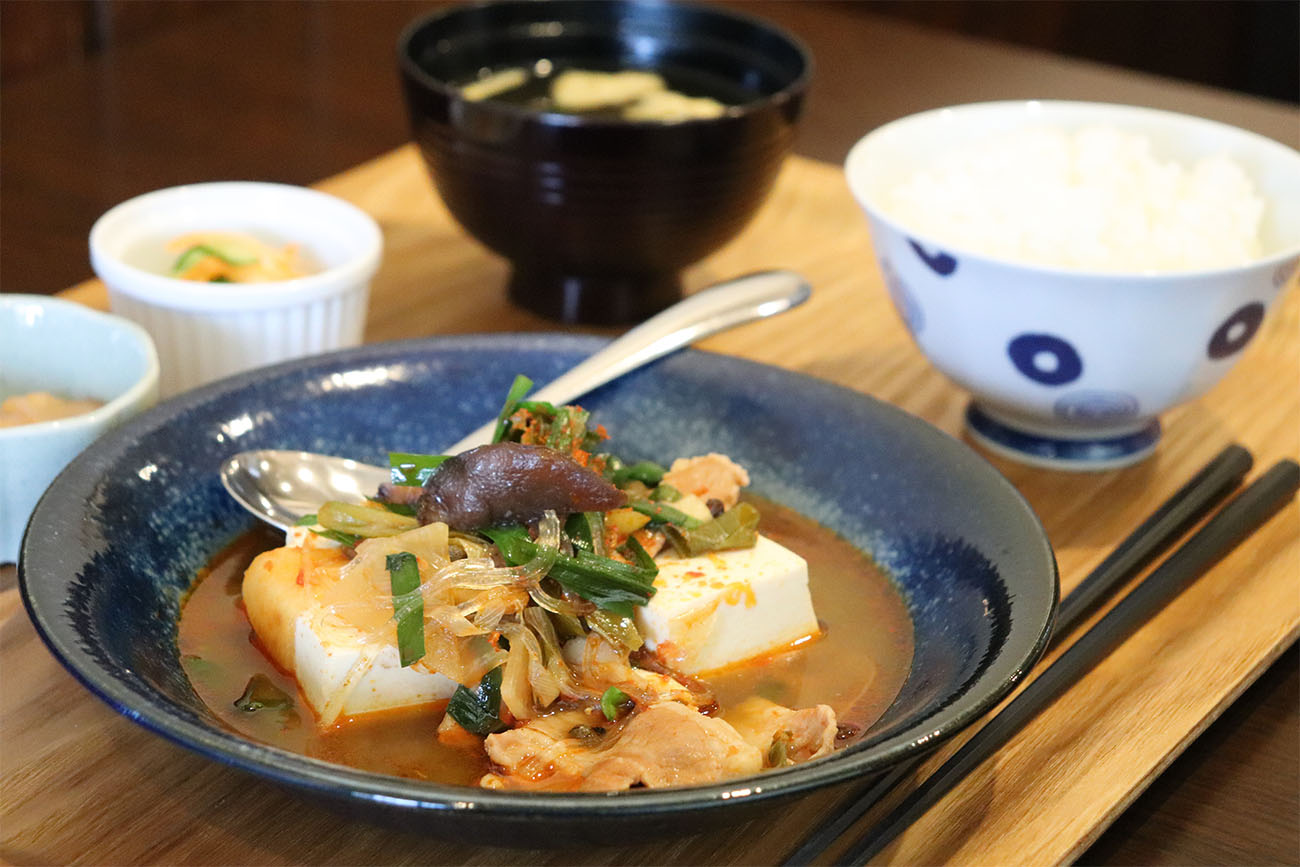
400	495
512	483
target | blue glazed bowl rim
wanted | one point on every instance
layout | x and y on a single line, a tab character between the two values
44	590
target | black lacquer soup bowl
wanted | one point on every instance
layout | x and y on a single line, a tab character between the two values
597	215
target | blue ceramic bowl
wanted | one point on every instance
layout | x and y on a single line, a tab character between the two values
119	536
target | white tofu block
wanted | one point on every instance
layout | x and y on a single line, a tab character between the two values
725	607
326	665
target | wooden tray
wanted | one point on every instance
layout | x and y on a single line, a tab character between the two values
80	783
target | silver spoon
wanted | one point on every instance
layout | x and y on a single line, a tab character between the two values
279	487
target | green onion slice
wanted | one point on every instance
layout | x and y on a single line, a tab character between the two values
618	630
228	253
612	702
567	626
520	387
261	693
478	710
662	493
663	513
411	469
640	556
347	540
778	754
189	259
364	521
735	528
609	584
647	472
408	605
586	531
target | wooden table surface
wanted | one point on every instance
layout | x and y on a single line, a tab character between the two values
315	93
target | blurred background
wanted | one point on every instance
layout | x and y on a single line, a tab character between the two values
1245	45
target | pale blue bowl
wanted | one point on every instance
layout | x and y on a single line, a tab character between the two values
48	344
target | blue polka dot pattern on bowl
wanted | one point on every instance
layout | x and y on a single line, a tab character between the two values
939	262
1236	331
1045	358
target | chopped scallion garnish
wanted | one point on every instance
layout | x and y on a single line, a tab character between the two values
618	630
647	472
479	710
665	514
609	584
640	556
586	531
612	702
347	540
735	528
520	387
778	754
413	470
408	605
662	493
541	407
261	693
363	521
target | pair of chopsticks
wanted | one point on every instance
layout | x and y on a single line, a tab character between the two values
1219	535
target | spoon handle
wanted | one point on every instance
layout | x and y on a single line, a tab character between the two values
717	308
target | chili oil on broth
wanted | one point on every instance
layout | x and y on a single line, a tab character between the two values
857	671
220	654
860	661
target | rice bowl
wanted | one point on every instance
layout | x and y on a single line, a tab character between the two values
1070	367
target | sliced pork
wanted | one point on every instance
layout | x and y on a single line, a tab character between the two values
667	744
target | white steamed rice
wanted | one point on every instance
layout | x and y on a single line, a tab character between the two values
1095	200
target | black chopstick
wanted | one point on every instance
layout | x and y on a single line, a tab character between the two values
1195	499
1223	532
1189	504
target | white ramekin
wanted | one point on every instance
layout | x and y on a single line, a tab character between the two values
48	344
205	331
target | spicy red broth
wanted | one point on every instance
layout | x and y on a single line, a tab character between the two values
857	666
